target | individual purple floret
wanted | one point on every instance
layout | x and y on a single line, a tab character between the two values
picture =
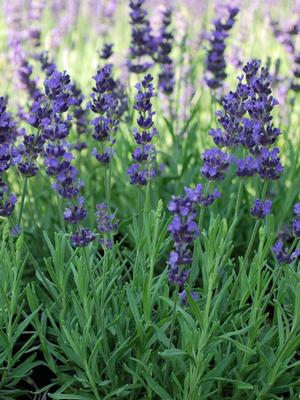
76	213
142	41
79	117
82	237
261	209
144	156
215	165
215	62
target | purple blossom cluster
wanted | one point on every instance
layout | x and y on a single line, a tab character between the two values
184	231
247	122
215	62
144	156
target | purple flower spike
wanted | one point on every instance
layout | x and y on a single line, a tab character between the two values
215	62
143	43
144	156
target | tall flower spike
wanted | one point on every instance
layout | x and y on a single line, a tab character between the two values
184	230
144	156
142	40
246	121
215	62
164	44
106	105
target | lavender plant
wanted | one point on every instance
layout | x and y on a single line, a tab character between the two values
181	287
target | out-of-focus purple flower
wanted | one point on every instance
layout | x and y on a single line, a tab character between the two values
7	204
16	230
296	222
215	165
215	62
144	167
261	209
47	65
82	237
79	113
66	20
35	15
297	209
106	221
107	224
283	254
183	296
107	51
163	48
142	40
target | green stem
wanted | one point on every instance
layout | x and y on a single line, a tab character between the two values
23	199
172	331
92	282
256	226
